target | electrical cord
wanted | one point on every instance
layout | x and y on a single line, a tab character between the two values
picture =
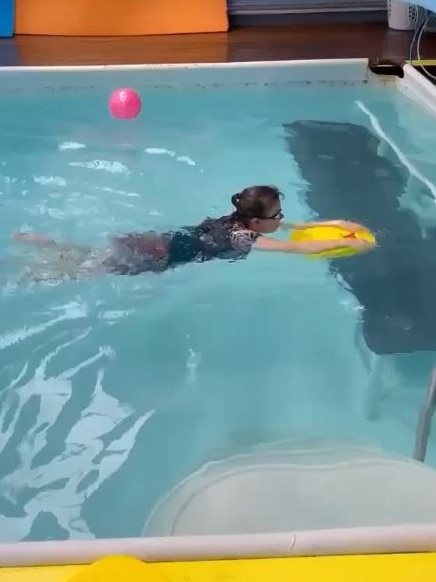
419	34
418	30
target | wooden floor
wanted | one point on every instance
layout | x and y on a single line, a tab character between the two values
245	44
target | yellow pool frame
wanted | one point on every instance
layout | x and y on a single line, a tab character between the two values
379	568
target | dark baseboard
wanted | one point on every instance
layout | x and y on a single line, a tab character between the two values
340	17
9	54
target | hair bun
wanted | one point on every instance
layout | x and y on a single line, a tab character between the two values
236	198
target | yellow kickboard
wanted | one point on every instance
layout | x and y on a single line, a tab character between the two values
376	568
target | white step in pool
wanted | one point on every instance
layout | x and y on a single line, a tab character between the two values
303	486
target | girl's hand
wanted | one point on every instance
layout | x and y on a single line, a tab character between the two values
347	225
357	243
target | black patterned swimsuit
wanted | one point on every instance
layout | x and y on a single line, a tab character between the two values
220	238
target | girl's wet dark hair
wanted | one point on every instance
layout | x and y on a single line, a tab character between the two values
256	202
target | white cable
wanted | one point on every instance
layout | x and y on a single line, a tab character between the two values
375	124
418	47
415	37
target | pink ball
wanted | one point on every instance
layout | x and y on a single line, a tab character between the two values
125	103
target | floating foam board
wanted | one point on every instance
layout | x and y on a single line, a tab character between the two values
116	18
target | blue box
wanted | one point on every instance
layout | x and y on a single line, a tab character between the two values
6	18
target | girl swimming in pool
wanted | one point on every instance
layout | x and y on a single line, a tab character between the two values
257	213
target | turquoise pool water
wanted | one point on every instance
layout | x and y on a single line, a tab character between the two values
114	389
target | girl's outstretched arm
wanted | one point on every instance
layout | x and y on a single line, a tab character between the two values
306	248
345	224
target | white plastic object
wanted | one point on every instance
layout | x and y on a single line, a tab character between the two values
402	15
